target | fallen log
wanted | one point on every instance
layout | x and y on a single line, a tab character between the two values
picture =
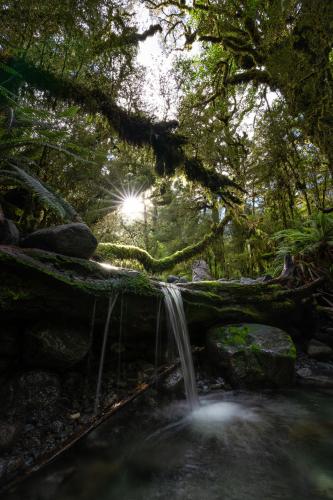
36	284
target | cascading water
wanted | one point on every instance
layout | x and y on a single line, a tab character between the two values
112	301
177	323
158	337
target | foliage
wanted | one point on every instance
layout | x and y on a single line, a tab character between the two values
109	251
311	245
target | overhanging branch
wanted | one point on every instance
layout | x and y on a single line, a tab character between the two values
127	252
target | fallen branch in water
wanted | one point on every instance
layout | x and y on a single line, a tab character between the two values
96	421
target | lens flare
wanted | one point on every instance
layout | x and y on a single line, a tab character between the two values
131	207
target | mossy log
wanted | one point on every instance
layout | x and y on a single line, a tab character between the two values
39	285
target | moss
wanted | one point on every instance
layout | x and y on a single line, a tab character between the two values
129	252
236	335
85	276
8	295
255	348
292	352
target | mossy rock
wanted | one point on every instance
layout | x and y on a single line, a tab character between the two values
56	345
252	355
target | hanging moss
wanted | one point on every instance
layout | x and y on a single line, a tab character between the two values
113	251
134	128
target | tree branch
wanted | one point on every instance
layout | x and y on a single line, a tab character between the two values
127	252
253	75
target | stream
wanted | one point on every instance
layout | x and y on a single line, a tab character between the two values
236	446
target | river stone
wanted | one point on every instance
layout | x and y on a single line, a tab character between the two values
251	355
56	345
74	240
9	234
319	350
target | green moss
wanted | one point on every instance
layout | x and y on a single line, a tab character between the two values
129	252
236	335
88	277
292	352
255	348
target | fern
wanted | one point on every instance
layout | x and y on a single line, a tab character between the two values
311	245
44	193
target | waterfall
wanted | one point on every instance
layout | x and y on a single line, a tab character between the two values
177	323
112	301
158	338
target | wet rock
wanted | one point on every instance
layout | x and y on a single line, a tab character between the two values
313	373
200	271
74	240
174	383
318	350
38	391
9	234
9	433
55	345
251	355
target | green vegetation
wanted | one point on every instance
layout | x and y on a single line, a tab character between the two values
233	160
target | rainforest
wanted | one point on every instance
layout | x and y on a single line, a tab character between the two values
166	249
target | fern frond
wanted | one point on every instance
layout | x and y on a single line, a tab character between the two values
45	194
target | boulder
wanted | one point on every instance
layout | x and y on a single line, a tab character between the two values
200	271
9	234
313	373
251	355
319	350
74	240
55	345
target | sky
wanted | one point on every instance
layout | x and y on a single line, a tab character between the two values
158	63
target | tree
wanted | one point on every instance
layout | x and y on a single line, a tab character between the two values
286	46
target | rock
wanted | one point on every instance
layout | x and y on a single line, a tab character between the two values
318	350
251	355
55	345
325	337
176	279
247	281
200	271
9	433
315	374
74	240
173	383
38	390
9	234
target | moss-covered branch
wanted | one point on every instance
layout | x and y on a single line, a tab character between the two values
135	129
128	252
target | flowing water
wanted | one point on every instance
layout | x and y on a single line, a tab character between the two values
235	446
177	323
